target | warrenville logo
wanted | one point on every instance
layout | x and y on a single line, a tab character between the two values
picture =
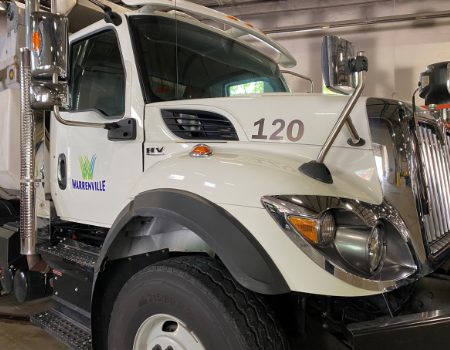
87	173
87	167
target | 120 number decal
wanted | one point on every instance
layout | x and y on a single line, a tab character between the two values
275	136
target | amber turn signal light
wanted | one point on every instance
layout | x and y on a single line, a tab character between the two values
36	41
306	227
201	151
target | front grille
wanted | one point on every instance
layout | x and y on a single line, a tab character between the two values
436	163
199	125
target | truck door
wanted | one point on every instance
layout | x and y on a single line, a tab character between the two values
95	175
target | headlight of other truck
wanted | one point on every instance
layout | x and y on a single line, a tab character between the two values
361	239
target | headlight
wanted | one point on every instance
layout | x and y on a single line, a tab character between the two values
347	238
320	230
375	248
327	228
365	250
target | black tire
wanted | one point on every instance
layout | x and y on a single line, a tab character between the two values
202	293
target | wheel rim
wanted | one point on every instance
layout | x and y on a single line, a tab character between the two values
165	332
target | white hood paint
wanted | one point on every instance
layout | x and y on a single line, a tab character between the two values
243	171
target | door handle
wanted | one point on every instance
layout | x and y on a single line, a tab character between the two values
62	171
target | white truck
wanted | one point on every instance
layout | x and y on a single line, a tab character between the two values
162	182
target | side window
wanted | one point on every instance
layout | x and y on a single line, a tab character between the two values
97	76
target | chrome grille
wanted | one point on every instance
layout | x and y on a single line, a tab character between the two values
436	163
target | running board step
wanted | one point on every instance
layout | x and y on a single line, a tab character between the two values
61	327
80	255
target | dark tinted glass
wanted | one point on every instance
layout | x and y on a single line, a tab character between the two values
97	75
179	60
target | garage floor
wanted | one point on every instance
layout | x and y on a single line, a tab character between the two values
17	332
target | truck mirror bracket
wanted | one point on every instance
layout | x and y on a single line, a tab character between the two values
123	130
315	168
110	16
317	171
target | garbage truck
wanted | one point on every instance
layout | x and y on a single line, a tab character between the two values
161	181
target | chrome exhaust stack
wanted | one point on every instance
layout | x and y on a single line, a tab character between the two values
27	152
27	159
44	56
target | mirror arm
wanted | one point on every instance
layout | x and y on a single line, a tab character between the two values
343	118
316	169
107	126
354	139
300	76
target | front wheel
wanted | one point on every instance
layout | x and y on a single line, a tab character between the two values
191	303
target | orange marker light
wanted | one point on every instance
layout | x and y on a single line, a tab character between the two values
306	227
233	18
36	41
201	151
248	24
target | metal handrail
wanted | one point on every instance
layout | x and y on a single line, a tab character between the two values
300	76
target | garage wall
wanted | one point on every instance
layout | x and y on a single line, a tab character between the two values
397	52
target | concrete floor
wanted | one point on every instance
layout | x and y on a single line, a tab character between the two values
17	333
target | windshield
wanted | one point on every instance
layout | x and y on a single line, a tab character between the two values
198	63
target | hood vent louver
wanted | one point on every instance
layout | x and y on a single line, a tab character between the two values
199	125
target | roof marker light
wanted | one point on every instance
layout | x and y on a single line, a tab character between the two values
233	18
248	24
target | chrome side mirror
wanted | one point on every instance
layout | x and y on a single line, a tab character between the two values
337	54
45	95
50	41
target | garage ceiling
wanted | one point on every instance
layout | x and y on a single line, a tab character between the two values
216	3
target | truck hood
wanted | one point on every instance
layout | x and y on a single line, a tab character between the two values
271	163
305	119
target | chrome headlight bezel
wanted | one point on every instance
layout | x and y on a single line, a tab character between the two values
397	270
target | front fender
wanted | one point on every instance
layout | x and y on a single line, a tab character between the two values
240	173
239	250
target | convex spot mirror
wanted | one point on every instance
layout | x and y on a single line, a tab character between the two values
337	54
49	45
434	84
45	95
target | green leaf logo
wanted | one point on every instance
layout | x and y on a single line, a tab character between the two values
87	167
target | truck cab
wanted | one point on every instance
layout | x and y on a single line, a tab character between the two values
176	194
